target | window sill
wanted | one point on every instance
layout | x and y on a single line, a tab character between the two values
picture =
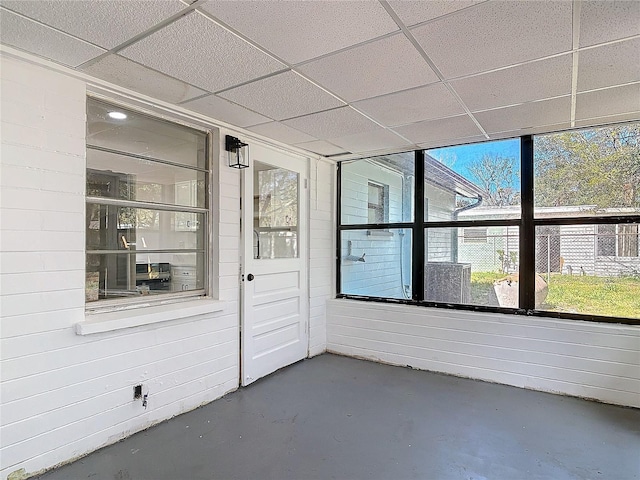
127	318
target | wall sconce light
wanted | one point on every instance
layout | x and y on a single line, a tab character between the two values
238	152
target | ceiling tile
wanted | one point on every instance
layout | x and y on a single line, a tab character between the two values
528	115
105	23
524	83
221	109
442	131
424	103
311	28
555	127
279	131
412	12
379	139
602	21
496	34
282	96
609	65
196	50
373	69
129	74
612	101
321	148
33	37
333	123
624	117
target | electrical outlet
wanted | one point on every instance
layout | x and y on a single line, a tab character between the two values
137	392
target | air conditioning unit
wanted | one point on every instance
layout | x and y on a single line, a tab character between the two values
447	282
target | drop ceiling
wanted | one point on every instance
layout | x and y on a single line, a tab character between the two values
351	78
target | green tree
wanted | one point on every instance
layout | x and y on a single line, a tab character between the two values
599	167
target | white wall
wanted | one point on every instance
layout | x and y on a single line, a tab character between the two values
64	394
379	275
321	251
591	360
484	256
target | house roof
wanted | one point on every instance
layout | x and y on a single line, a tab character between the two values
354	78
513	211
436	173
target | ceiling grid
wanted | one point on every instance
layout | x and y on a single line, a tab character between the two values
347	79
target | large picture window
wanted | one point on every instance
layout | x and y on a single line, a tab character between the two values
587	187
544	224
147	206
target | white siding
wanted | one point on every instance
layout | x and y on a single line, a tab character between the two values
578	247
599	361
63	394
321	248
379	275
483	256
439	207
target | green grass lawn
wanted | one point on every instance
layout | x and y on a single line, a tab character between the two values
610	296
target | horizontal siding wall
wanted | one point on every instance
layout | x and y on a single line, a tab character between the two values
379	274
64	395
591	360
321	251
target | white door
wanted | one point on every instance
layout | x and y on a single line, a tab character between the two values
275	309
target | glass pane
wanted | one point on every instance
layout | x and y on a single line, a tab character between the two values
473	266
275	212
376	263
118	176
480	181
590	269
594	172
378	190
112	227
143	135
137	274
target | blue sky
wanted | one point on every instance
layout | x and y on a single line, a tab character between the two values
457	158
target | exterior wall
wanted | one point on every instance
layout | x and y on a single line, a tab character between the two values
64	394
578	251
577	248
439	207
599	361
484	257
379	274
321	251
386	270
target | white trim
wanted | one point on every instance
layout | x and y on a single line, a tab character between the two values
127	318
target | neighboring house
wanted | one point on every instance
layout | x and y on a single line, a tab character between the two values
601	250
380	190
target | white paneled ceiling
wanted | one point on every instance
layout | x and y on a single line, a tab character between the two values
360	69
350	78
282	96
132	75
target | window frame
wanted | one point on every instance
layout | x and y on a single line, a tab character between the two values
381	208
527	224
103	306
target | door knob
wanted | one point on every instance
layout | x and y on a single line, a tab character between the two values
250	277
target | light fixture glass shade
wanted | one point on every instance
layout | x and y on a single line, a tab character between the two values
237	151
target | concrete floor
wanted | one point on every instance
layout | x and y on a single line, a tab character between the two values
333	417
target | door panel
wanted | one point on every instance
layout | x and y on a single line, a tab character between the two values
274	289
